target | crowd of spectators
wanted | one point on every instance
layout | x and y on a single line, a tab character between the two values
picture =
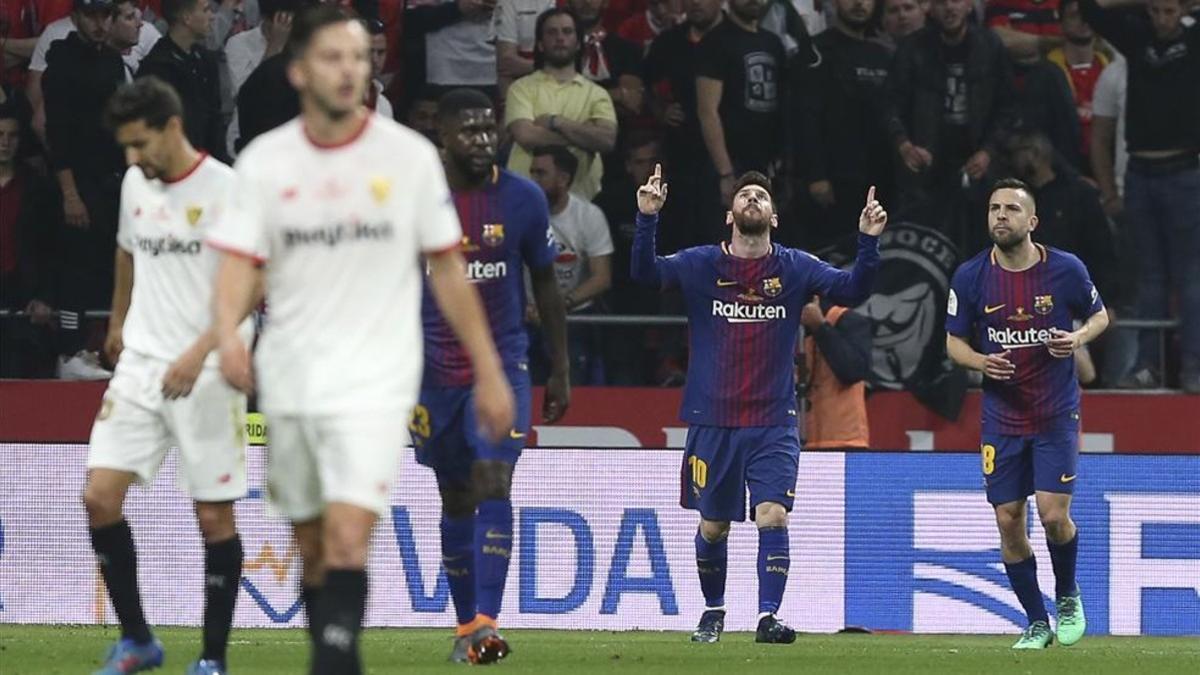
1094	103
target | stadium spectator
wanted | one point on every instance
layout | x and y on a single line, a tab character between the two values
1070	216
247	49
844	142
126	28
180	60
1044	104
18	38
739	95
1108	162
422	115
692	215
617	12
81	73
60	29
608	59
449	40
266	100
625	355
583	265
1162	184
950	99
513	32
1082	63
837	363
902	18
379	55
29	221
1028	28
660	15
556	105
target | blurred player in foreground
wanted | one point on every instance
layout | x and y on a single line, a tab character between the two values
744	302
166	390
1017	301
331	214
505	223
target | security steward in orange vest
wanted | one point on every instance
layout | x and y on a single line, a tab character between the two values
837	362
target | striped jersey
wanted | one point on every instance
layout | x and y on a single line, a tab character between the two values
997	310
506	225
744	321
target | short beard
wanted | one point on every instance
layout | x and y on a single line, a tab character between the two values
555	62
464	165
747	14
1010	243
855	24
752	227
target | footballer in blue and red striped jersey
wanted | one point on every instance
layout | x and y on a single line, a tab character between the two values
744	300
1011	314
506	228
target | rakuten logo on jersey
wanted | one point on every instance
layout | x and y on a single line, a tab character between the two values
157	246
478	271
1017	339
736	312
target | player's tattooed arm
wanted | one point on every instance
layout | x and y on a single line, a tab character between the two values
1064	343
114	342
995	366
553	312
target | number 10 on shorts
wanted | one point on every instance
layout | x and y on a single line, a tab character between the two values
699	471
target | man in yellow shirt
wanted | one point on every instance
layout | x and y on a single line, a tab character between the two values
556	105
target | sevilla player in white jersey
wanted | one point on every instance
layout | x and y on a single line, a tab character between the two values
166	390
331	216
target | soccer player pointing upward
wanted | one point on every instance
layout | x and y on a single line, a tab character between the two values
744	300
1017	301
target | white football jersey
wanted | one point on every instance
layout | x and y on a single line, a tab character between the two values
163	224
340	231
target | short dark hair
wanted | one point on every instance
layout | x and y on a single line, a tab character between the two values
640	138
564	160
753	178
1062	7
1011	184
9	110
539	58
310	21
269	8
148	99
464	98
173	10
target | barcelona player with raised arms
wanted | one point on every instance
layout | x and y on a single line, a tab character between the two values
744	300
506	228
1018	302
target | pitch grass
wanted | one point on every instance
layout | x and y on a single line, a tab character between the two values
46	650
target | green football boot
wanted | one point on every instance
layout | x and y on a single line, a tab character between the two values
1037	636
1071	622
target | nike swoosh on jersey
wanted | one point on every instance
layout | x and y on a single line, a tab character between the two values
726	282
990	310
1065	478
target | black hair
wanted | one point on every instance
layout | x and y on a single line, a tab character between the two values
269	8
464	98
173	10
539	58
563	159
148	99
753	178
640	138
310	20
1011	184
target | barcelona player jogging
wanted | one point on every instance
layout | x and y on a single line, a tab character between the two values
744	300
1018	301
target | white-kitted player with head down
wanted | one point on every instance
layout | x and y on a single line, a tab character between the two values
332	215
167	390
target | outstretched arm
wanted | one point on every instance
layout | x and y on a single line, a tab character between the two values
644	266
851	288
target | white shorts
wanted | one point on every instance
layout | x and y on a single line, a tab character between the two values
313	460
136	426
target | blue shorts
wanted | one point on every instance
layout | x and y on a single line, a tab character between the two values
720	463
446	434
1014	467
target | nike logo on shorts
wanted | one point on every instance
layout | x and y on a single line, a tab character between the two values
1065	478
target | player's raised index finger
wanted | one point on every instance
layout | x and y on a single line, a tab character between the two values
871	194
657	170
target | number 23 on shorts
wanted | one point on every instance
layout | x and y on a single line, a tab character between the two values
987	452
418	426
